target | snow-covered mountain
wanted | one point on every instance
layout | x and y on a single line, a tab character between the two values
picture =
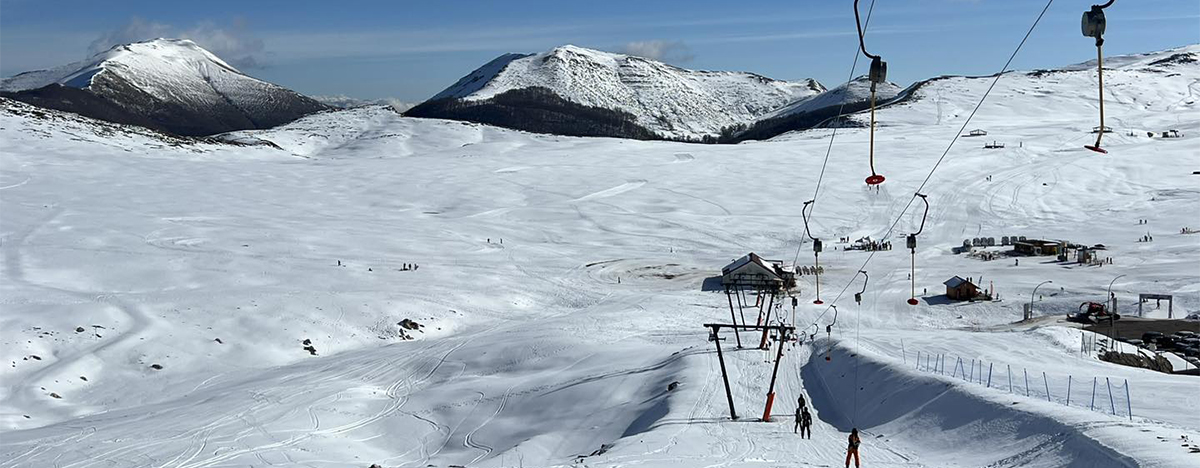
167	84
342	101
667	101
159	301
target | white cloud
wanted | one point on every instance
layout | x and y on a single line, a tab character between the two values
234	43
665	51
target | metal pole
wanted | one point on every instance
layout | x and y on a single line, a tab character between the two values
1100	79
1047	382
1068	390
1026	371
774	374
732	317
1092	405
989	382
724	375
918	359
1009	378
903	354
817	274
763	344
1111	403
741	307
1128	401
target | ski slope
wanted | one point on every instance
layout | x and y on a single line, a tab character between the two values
558	285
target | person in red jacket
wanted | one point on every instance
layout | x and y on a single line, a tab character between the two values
852	450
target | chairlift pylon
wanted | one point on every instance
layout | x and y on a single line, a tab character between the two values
912	245
878	74
1093	25
816	250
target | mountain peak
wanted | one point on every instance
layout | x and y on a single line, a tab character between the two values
168	84
670	101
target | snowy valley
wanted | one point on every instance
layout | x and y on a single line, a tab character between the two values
360	287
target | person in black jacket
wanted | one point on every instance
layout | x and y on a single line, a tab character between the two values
805	424
799	407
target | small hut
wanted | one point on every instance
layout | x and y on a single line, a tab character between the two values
977	132
960	289
1038	247
752	271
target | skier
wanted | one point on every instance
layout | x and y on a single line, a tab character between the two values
805	424
852	450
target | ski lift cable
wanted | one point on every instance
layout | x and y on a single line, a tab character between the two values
948	147
836	119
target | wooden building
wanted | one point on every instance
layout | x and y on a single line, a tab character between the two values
1038	247
960	289
752	271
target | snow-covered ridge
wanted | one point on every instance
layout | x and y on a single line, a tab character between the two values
171	84
165	57
668	100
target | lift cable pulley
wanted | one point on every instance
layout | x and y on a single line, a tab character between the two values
912	246
1093	25
877	75
816	250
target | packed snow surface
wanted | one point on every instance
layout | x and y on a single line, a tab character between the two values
158	294
668	100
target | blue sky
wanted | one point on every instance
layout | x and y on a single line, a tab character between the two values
411	50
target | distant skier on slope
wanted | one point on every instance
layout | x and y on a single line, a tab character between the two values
852	450
799	407
805	424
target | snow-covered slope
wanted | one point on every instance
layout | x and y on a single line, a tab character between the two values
670	101
558	285
174	83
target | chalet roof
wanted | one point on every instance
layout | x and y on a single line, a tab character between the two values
956	282
747	259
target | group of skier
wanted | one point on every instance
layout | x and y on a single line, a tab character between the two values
804	426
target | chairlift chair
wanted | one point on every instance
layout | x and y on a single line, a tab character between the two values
912	245
1093	25
816	250
878	74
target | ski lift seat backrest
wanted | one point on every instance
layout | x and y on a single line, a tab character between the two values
1093	23
878	72
1004	240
